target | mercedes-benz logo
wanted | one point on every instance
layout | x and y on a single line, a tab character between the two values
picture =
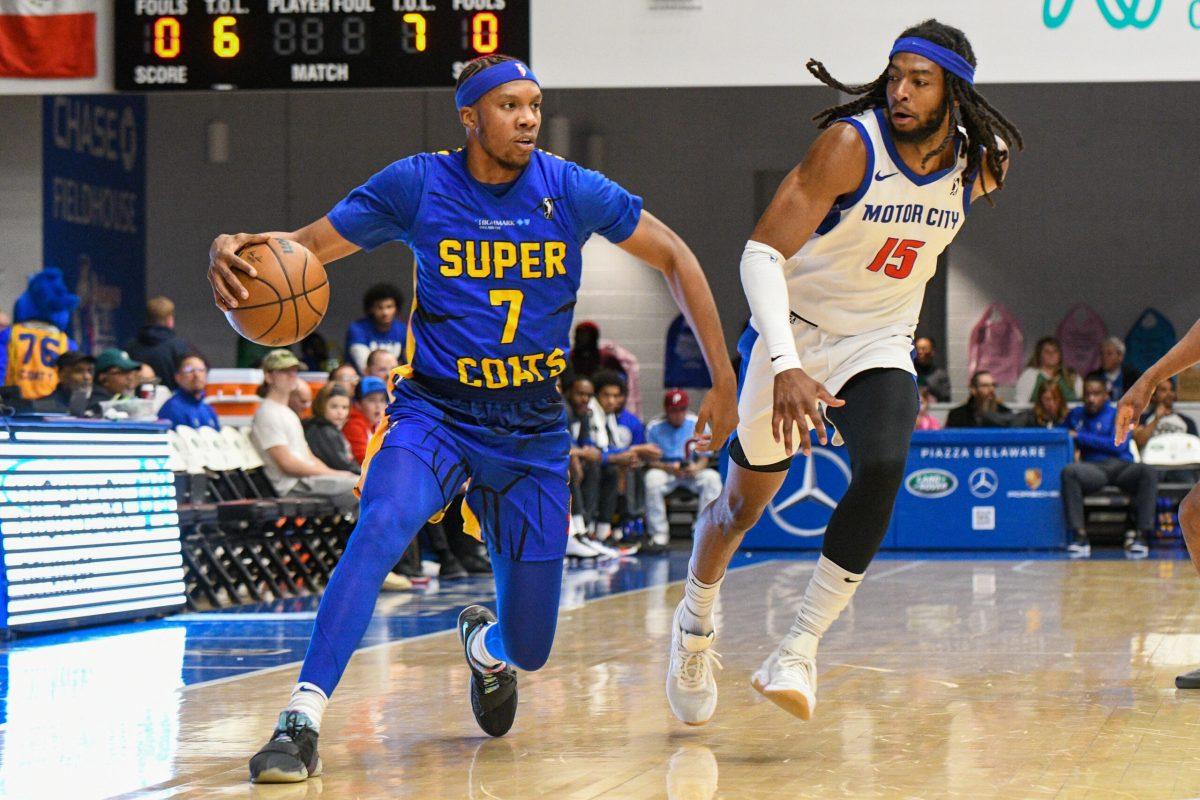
809	493
983	482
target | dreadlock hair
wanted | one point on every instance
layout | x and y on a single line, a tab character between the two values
477	65
967	107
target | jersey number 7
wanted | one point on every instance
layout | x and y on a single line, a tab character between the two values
904	249
514	298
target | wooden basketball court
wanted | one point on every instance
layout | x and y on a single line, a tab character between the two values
945	679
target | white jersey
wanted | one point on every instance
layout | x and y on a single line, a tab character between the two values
866	267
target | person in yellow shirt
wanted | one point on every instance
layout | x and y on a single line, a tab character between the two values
30	349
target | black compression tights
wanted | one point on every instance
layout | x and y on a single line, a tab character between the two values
876	424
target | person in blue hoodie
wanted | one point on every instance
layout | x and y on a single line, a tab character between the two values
383	327
187	406
1102	463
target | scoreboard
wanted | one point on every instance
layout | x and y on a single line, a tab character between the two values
172	45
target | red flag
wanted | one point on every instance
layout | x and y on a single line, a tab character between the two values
47	38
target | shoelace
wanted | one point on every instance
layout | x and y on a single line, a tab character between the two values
790	660
292	727
694	668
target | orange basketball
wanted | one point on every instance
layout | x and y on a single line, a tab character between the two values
288	297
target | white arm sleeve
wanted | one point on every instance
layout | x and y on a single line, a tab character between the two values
766	291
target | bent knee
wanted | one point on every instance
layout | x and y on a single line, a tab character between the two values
734	514
656	480
880	470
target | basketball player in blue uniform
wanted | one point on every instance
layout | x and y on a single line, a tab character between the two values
497	229
835	273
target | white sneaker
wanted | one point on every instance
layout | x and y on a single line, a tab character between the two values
789	680
604	550
396	583
691	682
577	547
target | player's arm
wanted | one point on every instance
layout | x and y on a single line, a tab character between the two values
1184	354
320	237
655	243
835	165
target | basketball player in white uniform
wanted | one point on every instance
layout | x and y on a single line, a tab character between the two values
835	273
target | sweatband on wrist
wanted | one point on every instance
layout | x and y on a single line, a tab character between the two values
944	57
766	291
489	78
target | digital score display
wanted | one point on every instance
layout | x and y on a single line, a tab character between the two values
172	45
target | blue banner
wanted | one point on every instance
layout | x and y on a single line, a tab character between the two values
962	490
684	366
94	210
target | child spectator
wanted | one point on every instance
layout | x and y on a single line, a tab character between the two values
323	430
380	364
380	329
925	420
187	406
370	402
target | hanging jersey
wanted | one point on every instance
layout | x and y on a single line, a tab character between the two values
497	267
866	266
33	351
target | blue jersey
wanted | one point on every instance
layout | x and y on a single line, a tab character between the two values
497	267
363	338
1094	434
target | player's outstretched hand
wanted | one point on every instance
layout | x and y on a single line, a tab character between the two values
223	260
1130	408
717	419
798	396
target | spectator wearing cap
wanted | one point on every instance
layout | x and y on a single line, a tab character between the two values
187	406
1116	374
675	468
279	437
116	377
370	401
156	343
381	329
76	372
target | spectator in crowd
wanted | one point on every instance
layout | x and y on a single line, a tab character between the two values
323	430
925	420
76	372
277	433
301	399
675	468
982	410
586	357
928	372
1161	417
380	364
370	401
346	376
1048	412
187	406
117	376
1046	364
1117	375
593	482
314	352
381	328
150	387
627	446
1102	463
156	343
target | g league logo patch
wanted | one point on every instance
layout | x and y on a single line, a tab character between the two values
805	510
983	482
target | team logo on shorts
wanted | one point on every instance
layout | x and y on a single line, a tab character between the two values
1033	478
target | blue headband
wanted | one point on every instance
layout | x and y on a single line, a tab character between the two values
945	58
489	78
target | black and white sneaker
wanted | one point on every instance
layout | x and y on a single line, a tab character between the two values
1188	680
1135	545
493	693
1080	547
291	755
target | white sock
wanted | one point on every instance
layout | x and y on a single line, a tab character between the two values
698	601
603	530
828	593
308	699
479	651
578	526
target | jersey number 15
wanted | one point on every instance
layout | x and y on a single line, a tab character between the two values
903	249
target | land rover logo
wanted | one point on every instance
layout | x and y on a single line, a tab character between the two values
930	483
